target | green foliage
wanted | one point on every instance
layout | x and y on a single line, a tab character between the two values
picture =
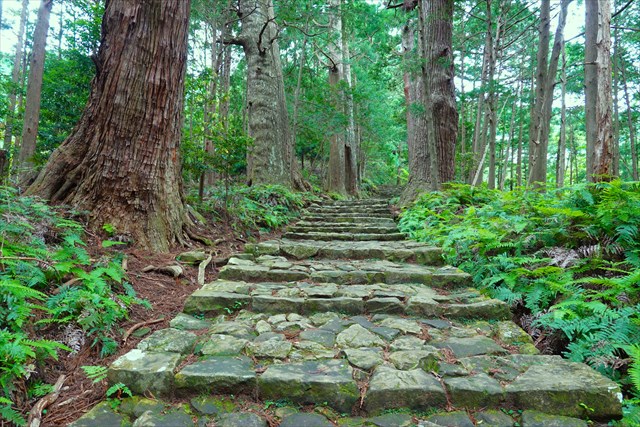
118	390
95	373
48	277
568	257
263	207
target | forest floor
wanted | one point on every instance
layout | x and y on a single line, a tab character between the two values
165	294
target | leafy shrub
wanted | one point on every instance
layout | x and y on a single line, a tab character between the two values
48	277
568	258
263	207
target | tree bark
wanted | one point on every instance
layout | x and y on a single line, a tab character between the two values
598	114
351	148
34	86
122	161
615	168
562	142
632	131
491	104
336	178
15	76
416	114
270	159
441	116
537	151
479	132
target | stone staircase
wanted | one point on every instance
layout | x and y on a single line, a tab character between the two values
345	319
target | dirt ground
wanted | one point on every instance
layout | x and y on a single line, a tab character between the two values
165	294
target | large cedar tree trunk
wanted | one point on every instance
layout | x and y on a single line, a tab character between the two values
271	158
437	144
122	161
598	108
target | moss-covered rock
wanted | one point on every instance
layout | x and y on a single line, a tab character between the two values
539	419
102	415
329	382
475	391
566	388
145	371
168	340
393	388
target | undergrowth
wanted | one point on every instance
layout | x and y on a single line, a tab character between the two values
50	285
250	209
567	260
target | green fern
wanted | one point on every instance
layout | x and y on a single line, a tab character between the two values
95	373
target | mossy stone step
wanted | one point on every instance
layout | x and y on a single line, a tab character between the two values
404	251
349	210
349	214
320	228
361	202
268	268
224	296
326	220
225	413
351	237
416	363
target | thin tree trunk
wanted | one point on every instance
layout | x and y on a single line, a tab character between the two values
510	139
562	143
351	150
461	125
296	93
491	105
545	82
616	116
121	163
34	88
479	132
15	75
632	131
598	103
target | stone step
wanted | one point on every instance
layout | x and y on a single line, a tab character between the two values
355	213
342	228
362	202
349	209
268	268
352	237
404	251
365	365
229	412
223	296
357	220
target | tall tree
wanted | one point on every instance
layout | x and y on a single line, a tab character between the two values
598	107
121	163
15	75
34	85
271	158
437	145
336	175
546	71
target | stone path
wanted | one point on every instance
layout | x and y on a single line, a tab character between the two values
342	315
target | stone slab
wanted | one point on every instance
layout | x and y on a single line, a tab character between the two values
329	381
144	371
219	375
390	388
